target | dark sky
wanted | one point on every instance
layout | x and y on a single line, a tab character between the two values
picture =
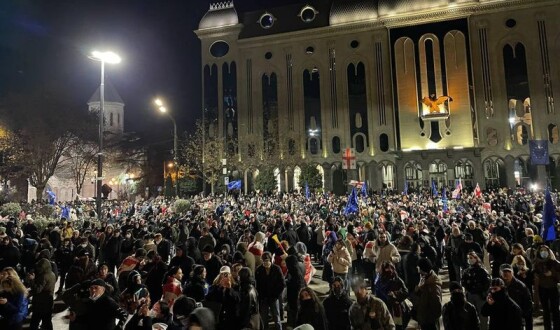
47	42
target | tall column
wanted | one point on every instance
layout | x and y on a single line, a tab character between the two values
328	177
509	163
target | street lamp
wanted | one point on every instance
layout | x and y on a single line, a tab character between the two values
111	58
161	106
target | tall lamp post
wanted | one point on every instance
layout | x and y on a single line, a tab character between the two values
111	58
163	109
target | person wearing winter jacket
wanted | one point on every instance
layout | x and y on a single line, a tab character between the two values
427	296
340	260
476	281
270	284
547	278
502	311
248	312
42	290
519	293
458	313
13	303
337	305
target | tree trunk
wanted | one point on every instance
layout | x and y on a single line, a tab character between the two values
40	190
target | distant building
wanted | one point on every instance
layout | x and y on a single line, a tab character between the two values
121	177
423	91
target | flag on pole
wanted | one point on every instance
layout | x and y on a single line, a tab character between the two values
477	191
234	185
548	232
457	192
364	190
352	204
434	189
306	191
405	191
444	200
52	196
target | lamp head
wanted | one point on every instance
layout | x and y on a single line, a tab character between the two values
106	57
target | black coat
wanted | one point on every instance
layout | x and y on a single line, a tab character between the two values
521	295
271	285
101	313
314	315
504	314
460	317
336	309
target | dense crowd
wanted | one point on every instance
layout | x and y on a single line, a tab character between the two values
246	262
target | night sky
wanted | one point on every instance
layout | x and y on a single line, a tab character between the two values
47	42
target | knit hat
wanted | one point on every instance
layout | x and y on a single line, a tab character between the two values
208	249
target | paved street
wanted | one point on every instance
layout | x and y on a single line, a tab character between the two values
319	286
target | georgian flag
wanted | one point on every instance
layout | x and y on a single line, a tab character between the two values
477	191
457	192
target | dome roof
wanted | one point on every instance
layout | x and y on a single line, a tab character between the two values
219	15
395	7
348	11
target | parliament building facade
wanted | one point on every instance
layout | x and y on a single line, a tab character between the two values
421	91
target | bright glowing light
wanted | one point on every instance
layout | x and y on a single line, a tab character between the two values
512	120
170	165
162	109
107	57
516	174
158	102
458	147
534	186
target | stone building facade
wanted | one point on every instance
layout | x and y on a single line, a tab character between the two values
421	90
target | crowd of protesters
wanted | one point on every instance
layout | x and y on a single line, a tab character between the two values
246	262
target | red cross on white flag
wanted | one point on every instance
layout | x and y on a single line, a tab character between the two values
349	159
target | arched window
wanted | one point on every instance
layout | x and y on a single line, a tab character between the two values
413	174
313	146
111	119
360	145
336	145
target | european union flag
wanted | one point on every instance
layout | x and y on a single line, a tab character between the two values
306	191
434	189
364	190
65	212
549	218
234	185
352	204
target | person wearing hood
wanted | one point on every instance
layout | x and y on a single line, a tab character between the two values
211	262
82	269
42	290
383	250
310	310
392	290
201	318
427	296
547	277
134	294
248	313
502	311
294	283
257	248
337	306
458	313
301	250
340	261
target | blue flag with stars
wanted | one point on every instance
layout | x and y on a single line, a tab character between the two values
549	218
306	191
352	204
434	189
444	200
364	190
234	185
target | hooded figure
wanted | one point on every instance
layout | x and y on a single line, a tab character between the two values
203	318
42	290
134	291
